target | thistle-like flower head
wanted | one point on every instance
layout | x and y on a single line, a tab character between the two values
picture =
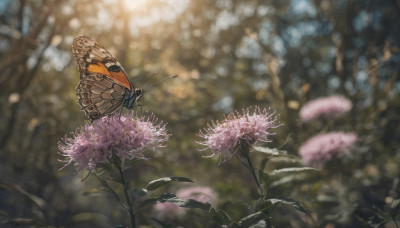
238	132
125	137
321	148
327	107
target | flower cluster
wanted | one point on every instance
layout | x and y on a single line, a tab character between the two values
237	132
201	194
321	148
124	136
328	107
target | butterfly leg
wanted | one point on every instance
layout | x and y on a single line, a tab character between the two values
140	108
120	112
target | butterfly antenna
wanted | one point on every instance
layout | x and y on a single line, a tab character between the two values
162	80
149	78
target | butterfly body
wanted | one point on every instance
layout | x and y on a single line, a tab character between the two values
104	86
132	97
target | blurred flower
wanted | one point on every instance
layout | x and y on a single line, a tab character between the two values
237	132
329	107
124	136
321	148
201	194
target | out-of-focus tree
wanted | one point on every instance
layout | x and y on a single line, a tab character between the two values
228	55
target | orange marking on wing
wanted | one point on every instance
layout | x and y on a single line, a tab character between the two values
116	76
121	77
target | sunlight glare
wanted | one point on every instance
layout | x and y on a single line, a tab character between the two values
136	4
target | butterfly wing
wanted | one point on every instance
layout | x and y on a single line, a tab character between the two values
99	95
94	58
103	82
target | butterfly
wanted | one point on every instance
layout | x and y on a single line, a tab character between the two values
104	86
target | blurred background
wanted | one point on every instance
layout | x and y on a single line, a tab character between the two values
229	55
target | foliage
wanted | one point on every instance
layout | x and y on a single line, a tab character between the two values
228	55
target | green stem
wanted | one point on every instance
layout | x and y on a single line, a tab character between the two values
261	189
128	200
394	220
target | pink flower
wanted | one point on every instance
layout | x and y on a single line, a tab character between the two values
321	148
169	210
328	107
238	132
126	137
201	194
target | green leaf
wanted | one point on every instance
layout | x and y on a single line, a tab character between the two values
264	163
291	179
263	178
172	198
289	202
260	224
93	191
13	187
96	219
322	198
272	152
269	151
139	192
395	209
251	219
284	161
162	224
288	171
220	216
155	184
22	222
395	204
148	202
344	212
189	203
